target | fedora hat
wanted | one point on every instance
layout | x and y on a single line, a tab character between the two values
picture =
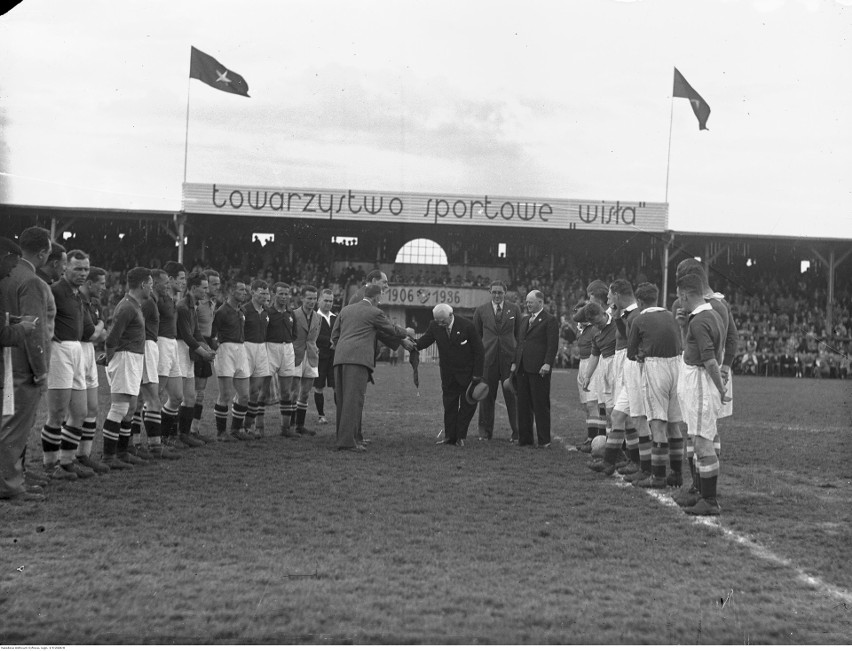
509	384
476	392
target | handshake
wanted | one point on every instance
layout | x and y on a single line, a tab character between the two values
408	342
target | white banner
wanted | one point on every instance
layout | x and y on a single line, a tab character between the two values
431	295
405	207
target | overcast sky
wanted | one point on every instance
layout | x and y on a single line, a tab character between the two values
561	99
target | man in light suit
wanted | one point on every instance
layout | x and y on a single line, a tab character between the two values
306	329
24	293
497	323
353	338
537	347
460	358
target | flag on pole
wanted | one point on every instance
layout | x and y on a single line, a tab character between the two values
699	106
205	68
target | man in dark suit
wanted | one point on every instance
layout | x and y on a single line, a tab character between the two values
353	338
537	346
497	323
460	358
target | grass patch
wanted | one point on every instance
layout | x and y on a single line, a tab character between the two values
289	541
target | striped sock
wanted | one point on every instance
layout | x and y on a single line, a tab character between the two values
50	438
152	422
221	414
602	428
301	411
87	438
614	439
136	427
659	457
708	471
124	436
238	415
690	457
646	453
70	439
168	421
632	441
251	414
112	430
260	415
675	441
717	446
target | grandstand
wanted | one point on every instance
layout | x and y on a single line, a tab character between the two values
792	297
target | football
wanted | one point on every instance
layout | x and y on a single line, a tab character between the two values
598	445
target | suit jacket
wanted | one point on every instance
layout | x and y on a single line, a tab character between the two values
461	354
538	342
499	340
24	293
305	337
324	338
354	334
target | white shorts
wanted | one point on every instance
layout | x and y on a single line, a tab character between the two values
700	402
728	407
659	388
232	361
169	363
603	381
306	370
258	359
628	399
152	362
282	359
66	369
187	366
124	372
618	361
585	396
90	367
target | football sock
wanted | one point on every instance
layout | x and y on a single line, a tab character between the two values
221	414
87	438
69	439
50	439
112	430
238	415
185	414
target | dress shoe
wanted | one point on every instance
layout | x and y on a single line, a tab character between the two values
445	442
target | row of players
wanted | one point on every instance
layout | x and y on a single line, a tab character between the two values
167	333
646	372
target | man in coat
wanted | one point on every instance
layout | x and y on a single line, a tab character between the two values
460	358
497	322
306	329
24	293
537	347
353	338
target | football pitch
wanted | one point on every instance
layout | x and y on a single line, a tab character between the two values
283	541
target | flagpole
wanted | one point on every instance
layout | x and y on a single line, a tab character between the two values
669	157
186	134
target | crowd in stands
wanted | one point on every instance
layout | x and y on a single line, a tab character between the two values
781	315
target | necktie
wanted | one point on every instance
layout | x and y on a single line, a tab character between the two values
499	314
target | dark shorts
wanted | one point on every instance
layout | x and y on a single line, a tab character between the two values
326	373
203	368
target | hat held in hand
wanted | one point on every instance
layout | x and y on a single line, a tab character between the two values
476	392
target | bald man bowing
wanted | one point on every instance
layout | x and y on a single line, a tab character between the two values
461	358
354	341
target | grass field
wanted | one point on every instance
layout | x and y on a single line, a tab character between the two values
289	541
